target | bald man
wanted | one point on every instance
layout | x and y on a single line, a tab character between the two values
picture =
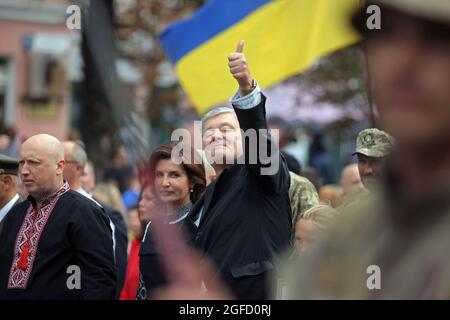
351	181
58	243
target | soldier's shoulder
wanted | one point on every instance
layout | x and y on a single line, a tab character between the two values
301	182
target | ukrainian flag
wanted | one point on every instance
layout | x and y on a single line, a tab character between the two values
282	38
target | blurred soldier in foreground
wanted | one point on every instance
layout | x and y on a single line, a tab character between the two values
395	244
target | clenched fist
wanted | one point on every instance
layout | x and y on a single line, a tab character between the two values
239	69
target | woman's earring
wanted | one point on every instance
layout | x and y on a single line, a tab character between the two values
192	190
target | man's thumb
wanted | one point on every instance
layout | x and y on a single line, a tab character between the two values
240	46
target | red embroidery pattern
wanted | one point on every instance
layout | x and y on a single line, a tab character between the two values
27	240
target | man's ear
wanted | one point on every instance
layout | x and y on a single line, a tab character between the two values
3	179
8	180
60	166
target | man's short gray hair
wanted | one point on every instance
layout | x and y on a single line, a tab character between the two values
78	153
215	112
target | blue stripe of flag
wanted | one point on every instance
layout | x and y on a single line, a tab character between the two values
211	19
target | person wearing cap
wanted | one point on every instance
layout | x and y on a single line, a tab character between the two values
8	181
394	244
373	146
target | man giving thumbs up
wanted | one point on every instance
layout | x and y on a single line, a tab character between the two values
244	216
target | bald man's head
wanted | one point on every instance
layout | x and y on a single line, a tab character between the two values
45	144
41	165
350	180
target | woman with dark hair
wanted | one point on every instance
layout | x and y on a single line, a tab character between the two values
176	187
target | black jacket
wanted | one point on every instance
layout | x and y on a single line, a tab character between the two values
121	237
246	219
150	267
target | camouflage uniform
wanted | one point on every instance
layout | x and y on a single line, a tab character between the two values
302	195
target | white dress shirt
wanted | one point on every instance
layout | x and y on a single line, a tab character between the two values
8	206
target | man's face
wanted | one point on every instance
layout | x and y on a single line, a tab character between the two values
222	138
38	170
87	179
370	169
351	181
409	64
72	170
6	183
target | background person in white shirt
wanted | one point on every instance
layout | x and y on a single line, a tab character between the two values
76	159
8	183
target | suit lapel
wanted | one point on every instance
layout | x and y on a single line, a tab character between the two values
193	214
17	202
210	194
204	201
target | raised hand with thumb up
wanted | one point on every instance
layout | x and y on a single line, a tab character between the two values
239	69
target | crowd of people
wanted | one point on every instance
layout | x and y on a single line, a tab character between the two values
233	229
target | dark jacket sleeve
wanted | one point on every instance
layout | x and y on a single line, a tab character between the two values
150	264
121	238
92	241
262	156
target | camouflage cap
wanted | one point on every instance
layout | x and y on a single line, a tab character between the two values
375	143
8	165
432	9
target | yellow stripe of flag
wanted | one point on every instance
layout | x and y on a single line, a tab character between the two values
282	39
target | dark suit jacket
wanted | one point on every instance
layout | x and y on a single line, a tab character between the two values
15	204
149	256
121	238
246	220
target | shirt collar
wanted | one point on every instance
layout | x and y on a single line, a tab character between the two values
61	190
89	196
7	207
180	214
